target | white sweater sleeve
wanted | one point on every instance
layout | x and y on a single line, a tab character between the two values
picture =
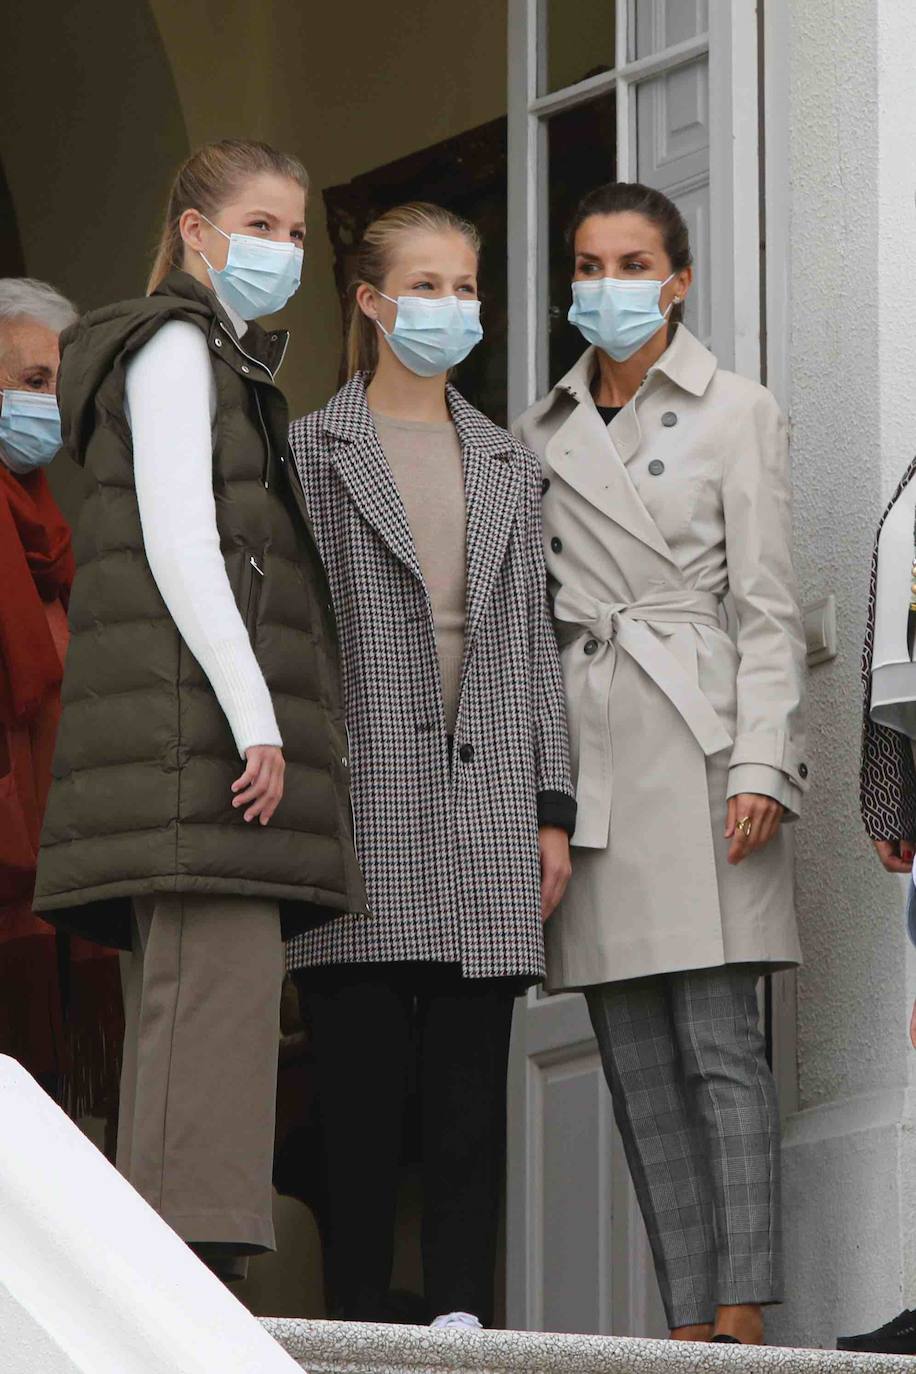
168	389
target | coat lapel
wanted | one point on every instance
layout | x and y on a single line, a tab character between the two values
360	461
592	458
492	486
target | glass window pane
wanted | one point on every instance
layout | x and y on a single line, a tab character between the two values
662	23
578	41
582	154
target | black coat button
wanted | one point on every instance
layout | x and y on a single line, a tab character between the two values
466	753
591	646
556	544
656	467
669	419
545	485
802	770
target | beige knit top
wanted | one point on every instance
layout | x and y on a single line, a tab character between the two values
426	461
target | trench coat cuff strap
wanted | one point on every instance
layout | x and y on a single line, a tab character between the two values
766	782
559	809
772	749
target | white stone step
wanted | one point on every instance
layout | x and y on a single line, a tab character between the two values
363	1348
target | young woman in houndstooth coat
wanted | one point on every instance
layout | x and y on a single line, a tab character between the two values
428	520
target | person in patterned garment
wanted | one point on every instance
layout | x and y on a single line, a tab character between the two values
428	519
76	1061
888	774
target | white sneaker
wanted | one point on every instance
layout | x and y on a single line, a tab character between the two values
456	1319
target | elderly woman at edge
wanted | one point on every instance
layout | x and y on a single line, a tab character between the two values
36	569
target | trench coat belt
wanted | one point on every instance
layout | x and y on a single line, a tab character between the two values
619	628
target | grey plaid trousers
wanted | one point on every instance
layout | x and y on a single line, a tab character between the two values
695	1104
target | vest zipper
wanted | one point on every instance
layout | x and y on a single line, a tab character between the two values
257	362
265	475
272	375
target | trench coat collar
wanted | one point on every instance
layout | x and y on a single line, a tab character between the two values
492	481
686	362
582	433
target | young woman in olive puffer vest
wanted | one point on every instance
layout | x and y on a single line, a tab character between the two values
200	808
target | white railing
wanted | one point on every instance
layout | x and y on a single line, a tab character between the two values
92	1281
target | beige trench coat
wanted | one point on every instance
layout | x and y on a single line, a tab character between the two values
649	522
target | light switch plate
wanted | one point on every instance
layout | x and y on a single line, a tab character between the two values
820	630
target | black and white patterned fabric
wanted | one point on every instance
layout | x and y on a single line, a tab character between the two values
450	852
695	1103
887	781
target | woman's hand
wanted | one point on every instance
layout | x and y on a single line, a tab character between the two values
260	787
895	855
555	867
765	816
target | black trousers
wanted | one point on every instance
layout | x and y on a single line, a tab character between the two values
372	1027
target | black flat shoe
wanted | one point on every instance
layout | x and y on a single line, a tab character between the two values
726	1340
897	1337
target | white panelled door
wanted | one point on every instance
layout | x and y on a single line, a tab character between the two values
665	92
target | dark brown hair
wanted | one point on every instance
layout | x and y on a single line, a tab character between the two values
207	181
373	258
619	197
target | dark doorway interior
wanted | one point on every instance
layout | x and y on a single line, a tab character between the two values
12	262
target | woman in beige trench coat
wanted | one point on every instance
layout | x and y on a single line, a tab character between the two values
665	487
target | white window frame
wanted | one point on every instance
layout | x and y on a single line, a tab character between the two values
731	42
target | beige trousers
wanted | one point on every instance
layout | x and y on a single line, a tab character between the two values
198	1086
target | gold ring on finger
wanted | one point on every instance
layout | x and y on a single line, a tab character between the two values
744	825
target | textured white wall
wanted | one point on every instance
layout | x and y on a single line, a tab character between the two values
849	82
853	381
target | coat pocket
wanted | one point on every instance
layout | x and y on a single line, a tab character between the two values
252	585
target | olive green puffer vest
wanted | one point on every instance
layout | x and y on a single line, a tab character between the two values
140	800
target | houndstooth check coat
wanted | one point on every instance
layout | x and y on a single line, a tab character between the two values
450	853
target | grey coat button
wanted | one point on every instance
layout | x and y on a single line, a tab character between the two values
245	367
802	770
556	544
545	485
669	419
656	467
591	646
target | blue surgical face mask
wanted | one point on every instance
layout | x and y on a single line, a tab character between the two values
618	316
29	430
260	275
430	336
